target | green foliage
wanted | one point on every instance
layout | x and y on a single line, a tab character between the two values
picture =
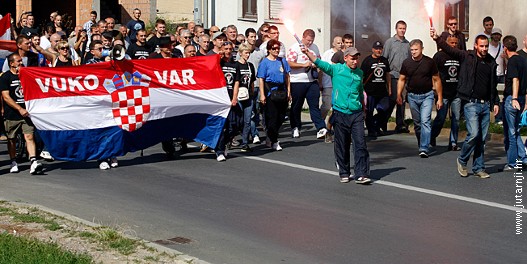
86	234
18	249
112	239
34	217
170	25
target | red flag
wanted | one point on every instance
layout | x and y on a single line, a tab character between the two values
5	27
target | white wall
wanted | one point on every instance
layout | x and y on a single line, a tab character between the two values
507	15
416	18
315	15
176	10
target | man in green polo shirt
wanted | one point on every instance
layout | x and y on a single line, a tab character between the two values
348	114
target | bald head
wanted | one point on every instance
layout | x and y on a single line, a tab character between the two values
54	39
213	30
337	43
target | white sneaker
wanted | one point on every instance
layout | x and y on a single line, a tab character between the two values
221	158
46	155
114	163
235	143
36	167
296	132
14	167
322	133
276	146
104	165
256	139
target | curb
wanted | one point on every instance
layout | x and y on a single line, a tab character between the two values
162	249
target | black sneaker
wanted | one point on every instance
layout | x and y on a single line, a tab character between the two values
401	130
246	148
423	154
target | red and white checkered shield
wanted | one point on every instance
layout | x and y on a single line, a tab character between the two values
131	107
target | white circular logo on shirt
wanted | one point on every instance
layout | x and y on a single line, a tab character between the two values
378	72
452	71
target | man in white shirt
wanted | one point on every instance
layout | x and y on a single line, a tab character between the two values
496	51
304	85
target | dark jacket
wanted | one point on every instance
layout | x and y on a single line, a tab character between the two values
461	44
467	72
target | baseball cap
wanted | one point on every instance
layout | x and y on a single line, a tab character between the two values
351	51
217	34
496	31
377	45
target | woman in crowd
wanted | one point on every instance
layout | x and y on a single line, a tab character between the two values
275	91
63	58
245	77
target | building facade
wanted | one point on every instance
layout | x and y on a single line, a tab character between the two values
78	11
369	20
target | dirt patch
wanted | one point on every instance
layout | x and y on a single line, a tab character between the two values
24	220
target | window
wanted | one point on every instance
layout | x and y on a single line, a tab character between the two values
249	9
459	10
275	8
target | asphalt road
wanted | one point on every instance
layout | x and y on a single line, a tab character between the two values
289	207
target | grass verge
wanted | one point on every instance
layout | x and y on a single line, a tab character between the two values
18	249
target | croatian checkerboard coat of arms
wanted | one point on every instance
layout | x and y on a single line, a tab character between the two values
130	99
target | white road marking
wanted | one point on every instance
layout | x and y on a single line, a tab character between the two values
396	185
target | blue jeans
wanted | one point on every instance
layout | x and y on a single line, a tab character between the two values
455	110
247	109
511	129
310	92
477	117
421	109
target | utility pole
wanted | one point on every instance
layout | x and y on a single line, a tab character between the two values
197	11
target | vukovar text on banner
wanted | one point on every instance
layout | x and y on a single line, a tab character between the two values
108	109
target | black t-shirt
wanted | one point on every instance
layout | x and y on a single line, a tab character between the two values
229	71
245	74
60	63
211	52
137	52
32	59
29	31
522	53
481	89
155	55
153	43
375	70
419	74
448	71
10	82
516	68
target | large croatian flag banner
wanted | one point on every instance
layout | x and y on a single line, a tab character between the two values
107	109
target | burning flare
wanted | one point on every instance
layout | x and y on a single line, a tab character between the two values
429	6
290	26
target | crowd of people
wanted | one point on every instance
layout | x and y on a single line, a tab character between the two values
268	82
